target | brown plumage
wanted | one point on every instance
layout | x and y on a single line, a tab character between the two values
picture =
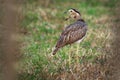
72	33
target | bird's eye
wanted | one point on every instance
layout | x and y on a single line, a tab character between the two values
71	11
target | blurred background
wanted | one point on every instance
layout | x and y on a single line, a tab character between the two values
40	26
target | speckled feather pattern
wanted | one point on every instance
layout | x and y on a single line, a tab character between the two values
72	33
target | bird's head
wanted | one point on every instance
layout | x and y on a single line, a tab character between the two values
73	14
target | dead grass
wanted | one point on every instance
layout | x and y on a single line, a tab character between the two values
44	27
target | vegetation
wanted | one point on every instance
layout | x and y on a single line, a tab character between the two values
44	22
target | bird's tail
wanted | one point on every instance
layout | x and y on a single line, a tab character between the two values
55	50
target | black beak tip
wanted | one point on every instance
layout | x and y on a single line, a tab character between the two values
65	12
66	19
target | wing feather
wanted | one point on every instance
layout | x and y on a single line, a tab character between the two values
72	33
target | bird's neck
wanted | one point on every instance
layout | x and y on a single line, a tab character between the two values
77	17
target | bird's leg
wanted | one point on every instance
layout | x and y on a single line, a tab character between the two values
77	53
77	57
69	59
69	54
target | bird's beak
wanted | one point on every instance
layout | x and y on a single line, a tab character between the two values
66	17
65	12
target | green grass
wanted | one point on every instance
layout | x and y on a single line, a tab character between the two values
44	25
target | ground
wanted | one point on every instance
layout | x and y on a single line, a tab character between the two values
40	29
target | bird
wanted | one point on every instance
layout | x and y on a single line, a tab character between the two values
74	32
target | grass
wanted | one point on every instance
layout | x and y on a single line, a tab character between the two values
44	25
